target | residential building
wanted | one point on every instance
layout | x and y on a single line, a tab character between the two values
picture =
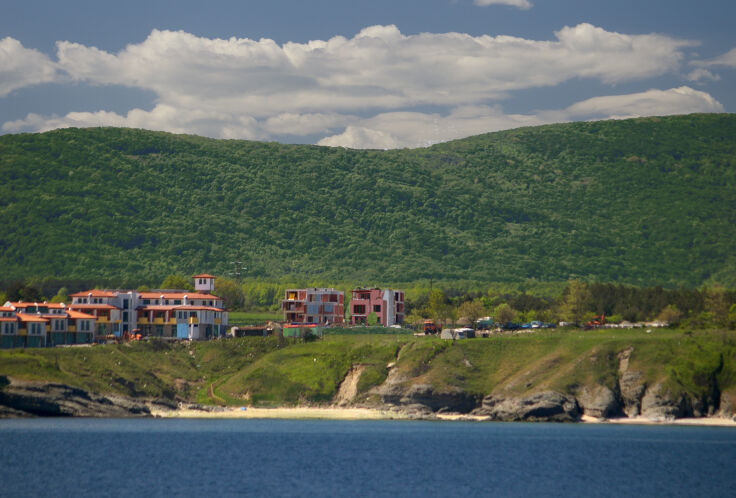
314	305
166	313
387	304
43	324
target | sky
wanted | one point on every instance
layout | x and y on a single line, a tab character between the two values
360	74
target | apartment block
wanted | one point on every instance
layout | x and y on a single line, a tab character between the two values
314	305
387	304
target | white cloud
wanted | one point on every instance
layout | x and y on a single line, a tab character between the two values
701	74
683	100
728	60
379	68
255	89
391	130
522	4
21	67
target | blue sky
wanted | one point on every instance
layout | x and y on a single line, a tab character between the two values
383	74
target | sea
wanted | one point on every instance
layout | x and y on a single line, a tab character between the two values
77	457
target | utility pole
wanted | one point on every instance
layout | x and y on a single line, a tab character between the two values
239	270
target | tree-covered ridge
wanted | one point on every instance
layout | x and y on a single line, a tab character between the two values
646	201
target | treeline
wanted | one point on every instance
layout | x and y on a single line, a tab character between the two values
642	202
458	302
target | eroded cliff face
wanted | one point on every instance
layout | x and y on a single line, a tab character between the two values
629	396
29	399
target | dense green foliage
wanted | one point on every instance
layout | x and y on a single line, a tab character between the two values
646	202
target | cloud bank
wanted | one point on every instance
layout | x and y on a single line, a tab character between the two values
364	91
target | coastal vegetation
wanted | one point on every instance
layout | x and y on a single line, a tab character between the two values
699	366
641	202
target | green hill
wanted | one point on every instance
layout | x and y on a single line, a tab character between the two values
645	201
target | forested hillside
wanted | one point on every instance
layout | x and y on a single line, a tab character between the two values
646	201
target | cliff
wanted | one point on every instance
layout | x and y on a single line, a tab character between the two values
556	376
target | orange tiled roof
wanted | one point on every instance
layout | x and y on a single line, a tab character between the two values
204	275
79	315
176	295
24	317
94	293
81	306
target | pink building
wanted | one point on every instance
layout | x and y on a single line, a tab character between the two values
313	305
387	304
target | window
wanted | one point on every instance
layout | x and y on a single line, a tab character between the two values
126	304
377	308
359	309
177	301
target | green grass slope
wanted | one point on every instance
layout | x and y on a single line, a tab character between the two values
644	201
268	372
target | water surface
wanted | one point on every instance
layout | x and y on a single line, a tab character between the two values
172	457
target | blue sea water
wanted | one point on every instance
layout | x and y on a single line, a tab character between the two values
165	457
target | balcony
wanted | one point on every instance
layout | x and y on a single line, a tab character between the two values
103	319
22	331
71	328
193	320
158	321
142	321
218	321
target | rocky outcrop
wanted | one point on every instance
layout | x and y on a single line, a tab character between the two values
658	404
599	402
452	399
29	399
397	390
542	406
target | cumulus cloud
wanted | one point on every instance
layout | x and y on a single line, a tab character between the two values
379	68
362	91
522	4
392	130
21	67
683	100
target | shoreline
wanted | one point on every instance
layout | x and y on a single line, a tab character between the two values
357	413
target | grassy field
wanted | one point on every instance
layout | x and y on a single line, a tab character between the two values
253	317
271	371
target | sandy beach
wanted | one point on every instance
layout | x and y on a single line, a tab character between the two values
353	413
306	412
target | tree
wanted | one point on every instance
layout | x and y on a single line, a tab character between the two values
503	313
575	303
670	315
717	304
62	296
177	282
372	319
472	310
437	305
231	292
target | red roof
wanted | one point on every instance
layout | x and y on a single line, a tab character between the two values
176	295
79	315
80	306
94	293
8	318
204	275
3	308
31	318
